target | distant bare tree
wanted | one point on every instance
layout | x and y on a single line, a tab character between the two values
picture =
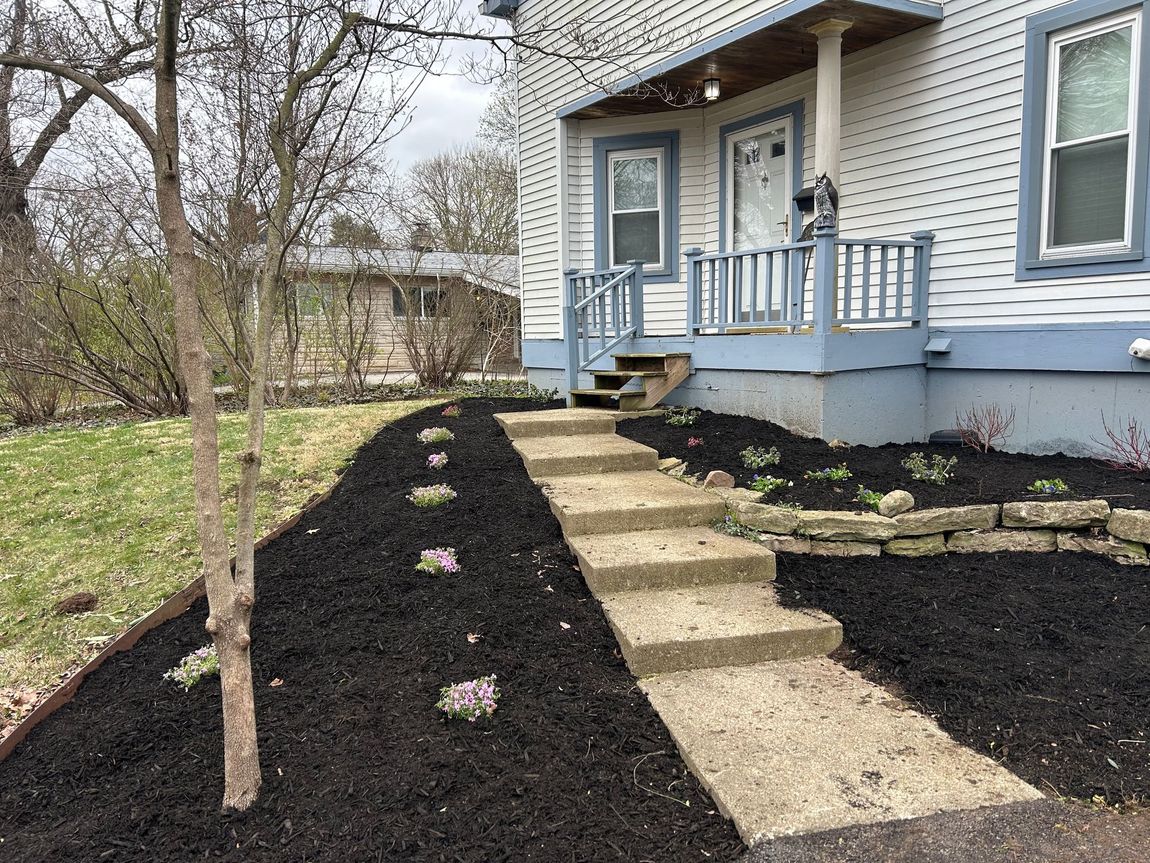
499	124
469	198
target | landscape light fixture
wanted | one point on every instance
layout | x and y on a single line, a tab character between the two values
711	89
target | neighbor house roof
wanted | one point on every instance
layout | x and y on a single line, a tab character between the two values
494	272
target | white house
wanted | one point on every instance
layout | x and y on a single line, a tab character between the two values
992	238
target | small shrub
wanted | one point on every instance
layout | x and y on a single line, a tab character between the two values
693	442
829	474
768	483
681	416
732	527
428	496
470	700
1128	450
195	667
435	435
756	457
984	428
438	561
936	473
437	460
1048	486
452	411
868	498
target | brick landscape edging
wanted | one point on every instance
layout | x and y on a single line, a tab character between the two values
1033	526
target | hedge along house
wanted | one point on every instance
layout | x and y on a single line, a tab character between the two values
992	234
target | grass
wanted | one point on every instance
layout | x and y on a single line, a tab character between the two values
110	511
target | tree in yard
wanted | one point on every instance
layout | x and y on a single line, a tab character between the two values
469	198
498	126
309	61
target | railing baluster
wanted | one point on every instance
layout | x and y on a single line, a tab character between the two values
754	287
866	282
737	288
848	280
769	266
723	318
882	280
617	325
714	294
900	283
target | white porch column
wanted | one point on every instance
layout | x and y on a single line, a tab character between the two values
828	113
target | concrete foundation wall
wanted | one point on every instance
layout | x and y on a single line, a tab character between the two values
1054	411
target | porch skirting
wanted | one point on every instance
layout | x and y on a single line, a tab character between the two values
900	394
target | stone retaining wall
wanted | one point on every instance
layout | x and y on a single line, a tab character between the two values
1040	526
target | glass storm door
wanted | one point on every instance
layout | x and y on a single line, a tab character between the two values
758	206
759	180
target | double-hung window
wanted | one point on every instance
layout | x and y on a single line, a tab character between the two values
636	203
635	195
1083	186
429	302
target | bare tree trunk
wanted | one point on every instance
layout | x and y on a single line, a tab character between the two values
229	605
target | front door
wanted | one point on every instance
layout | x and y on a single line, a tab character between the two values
758	207
759	180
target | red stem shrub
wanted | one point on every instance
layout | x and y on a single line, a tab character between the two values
983	428
1127	450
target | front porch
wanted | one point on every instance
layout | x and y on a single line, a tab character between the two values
822	305
769	281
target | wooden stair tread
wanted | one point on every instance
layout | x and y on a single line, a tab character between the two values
625	373
651	356
603	392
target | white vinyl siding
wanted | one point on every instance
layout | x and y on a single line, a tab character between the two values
931	137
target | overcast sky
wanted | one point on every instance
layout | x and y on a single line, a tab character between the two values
447	111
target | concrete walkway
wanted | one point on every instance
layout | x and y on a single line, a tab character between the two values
786	740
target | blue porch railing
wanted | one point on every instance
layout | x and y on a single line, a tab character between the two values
818	284
603	309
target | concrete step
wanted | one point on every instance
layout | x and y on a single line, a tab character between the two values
680	557
558	422
663	631
806	746
620	502
565	455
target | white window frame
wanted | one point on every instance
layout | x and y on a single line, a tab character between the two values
629	155
1131	19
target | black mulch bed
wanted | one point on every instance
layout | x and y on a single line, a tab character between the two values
358	764
995	477
1039	660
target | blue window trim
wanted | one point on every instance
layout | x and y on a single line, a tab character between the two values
795	146
1039	28
669	142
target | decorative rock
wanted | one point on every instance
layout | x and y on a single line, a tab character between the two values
1059	513
719	479
895	503
917	546
1121	550
761	516
845	549
786	542
946	519
854	526
968	541
1132	524
668	464
737	495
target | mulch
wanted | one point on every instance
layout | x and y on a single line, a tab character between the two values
1037	660
358	764
995	477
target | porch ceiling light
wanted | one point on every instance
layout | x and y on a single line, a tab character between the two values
711	89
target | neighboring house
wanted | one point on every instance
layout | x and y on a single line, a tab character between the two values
404	308
992	240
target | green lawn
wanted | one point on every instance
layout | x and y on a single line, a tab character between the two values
110	511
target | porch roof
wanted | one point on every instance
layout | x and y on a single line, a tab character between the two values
766	49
